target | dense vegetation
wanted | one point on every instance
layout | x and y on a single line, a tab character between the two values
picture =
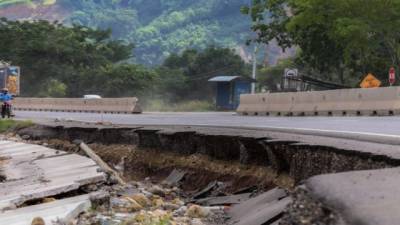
59	60
185	76
71	61
340	40
159	27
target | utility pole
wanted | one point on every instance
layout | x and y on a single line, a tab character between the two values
254	74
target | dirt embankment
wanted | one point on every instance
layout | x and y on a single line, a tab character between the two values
300	160
139	164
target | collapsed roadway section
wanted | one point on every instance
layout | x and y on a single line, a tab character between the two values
336	180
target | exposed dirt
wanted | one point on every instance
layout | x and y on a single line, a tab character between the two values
236	161
139	164
301	160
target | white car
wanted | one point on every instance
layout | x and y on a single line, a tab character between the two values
91	97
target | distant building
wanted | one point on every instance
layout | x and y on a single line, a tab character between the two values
229	89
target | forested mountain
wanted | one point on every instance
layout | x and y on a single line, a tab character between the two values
156	27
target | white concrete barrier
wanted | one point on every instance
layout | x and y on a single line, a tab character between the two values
343	102
104	105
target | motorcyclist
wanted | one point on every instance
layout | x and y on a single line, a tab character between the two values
5	99
5	96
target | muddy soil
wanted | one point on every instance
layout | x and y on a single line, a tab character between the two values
140	164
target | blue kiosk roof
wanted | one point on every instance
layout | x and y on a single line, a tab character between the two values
229	79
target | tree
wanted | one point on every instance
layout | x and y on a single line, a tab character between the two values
344	36
269	77
120	80
57	60
157	27
53	88
192	69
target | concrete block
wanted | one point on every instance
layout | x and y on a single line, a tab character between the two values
343	102
105	105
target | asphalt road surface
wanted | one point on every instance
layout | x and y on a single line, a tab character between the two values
360	197
376	126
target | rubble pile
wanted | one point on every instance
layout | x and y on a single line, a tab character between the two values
184	197
142	203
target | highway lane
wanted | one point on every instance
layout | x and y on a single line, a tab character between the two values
386	126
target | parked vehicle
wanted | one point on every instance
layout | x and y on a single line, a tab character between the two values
92	97
10	78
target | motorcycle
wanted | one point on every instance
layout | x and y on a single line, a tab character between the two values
6	110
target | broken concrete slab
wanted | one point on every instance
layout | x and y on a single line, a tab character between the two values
267	214
224	200
36	172
174	177
261	209
361	197
205	191
61	210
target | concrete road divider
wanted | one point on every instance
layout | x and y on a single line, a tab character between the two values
104	105
343	102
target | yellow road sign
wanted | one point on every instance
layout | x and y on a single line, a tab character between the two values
370	81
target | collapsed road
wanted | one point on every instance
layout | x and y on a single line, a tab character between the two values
330	180
32	173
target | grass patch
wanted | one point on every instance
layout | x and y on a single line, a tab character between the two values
188	106
8	125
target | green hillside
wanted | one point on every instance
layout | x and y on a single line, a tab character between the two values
158	27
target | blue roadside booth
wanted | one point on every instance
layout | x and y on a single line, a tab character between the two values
229	89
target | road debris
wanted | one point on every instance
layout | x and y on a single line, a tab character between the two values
106	168
265	208
38	221
172	195
196	211
142	208
223	200
36	175
175	177
214	186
